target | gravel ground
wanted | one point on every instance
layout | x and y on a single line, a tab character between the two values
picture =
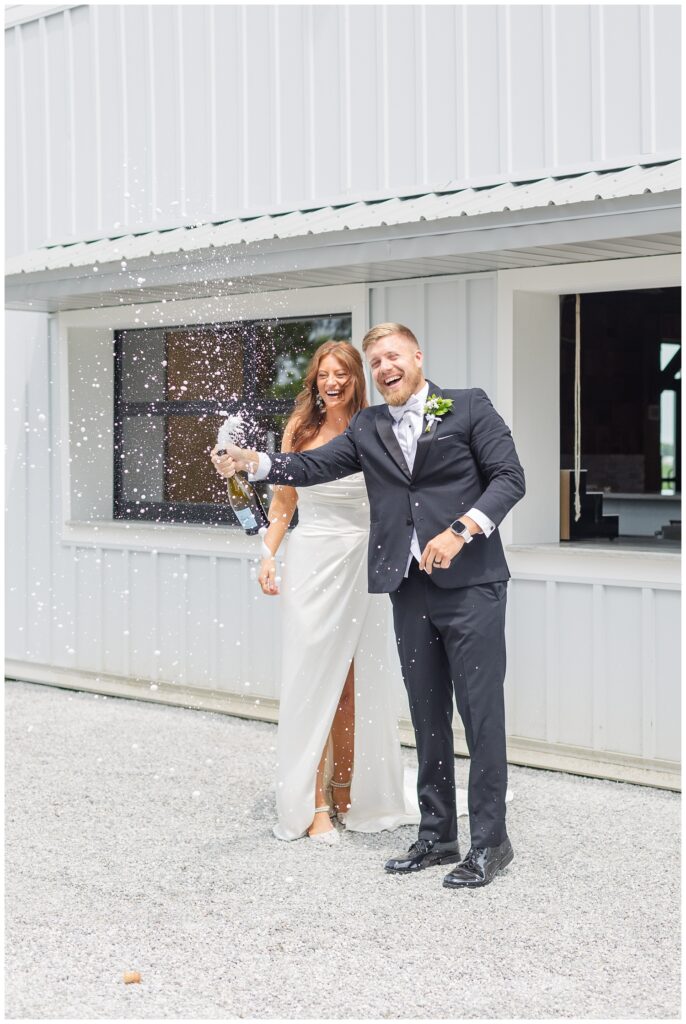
138	837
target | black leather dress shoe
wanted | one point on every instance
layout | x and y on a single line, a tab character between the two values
479	866
425	853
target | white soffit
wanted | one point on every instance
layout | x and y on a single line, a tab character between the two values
433	206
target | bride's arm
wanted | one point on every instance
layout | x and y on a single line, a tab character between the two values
281	511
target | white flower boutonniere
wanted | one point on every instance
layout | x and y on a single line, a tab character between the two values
435	409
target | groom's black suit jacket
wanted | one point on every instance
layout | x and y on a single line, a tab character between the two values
465	460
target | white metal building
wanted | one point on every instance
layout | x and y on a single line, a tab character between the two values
460	169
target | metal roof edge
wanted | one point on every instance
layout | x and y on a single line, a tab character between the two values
480	234
19	14
546	200
369	199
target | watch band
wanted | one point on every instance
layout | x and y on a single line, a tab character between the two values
461	530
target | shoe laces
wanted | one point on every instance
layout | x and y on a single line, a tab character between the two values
421	846
471	861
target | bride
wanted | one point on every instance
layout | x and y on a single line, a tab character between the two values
337	745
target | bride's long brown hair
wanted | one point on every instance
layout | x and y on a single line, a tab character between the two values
307	417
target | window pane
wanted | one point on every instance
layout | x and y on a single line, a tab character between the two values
668	441
184	364
142	464
142	366
189	476
166	458
284	349
204	364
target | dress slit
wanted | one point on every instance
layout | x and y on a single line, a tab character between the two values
328	763
329	623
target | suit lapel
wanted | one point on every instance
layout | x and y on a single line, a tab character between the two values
425	439
384	427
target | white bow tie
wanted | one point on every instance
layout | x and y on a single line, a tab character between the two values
413	404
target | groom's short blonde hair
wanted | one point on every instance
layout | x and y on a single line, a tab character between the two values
383	330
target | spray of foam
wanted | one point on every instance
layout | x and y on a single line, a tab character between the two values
232	431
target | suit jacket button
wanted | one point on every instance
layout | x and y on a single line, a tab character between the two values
409	522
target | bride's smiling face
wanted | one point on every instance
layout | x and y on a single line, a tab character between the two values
334	383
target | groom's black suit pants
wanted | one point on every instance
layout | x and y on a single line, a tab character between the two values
454	640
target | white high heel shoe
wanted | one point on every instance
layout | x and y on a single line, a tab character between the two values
325	838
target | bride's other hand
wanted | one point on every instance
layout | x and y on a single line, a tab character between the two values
267	577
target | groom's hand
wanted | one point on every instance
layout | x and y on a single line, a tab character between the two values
232	459
439	552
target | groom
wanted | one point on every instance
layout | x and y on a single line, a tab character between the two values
442	472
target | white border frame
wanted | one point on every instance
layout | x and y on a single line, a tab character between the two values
597	276
124	533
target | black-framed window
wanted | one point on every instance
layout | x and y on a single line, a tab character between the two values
173	388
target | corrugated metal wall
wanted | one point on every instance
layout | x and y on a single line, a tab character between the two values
138	612
595	665
128	117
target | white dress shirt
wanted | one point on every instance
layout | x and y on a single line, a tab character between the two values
407	426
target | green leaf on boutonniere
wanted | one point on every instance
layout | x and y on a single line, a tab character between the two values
435	409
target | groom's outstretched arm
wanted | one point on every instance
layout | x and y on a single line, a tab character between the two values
495	455
335	459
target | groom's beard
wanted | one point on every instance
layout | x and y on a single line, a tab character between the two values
409	386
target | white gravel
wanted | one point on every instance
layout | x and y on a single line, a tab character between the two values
139	838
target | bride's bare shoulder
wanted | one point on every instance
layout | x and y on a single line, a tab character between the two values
287	439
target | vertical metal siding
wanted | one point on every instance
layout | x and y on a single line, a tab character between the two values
83	142
454	321
594	666
111	114
529	104
257	101
366	117
440	95
14	161
133	117
622	78
663	46
115	588
572	115
666	705
485	127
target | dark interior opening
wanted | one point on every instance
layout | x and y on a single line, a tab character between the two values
630	410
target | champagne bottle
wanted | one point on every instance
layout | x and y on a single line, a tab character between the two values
243	497
245	503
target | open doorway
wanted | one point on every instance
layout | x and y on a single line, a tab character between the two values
630	414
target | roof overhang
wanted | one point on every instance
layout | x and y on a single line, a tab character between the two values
337	246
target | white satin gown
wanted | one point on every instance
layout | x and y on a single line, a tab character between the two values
329	619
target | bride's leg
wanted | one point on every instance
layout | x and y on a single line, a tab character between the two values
343	737
321	821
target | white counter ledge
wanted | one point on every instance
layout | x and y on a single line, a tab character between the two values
628	561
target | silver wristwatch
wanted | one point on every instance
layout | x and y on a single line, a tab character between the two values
460	530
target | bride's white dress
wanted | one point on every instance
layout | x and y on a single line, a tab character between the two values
329	619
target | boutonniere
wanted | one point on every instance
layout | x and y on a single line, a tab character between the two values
435	409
